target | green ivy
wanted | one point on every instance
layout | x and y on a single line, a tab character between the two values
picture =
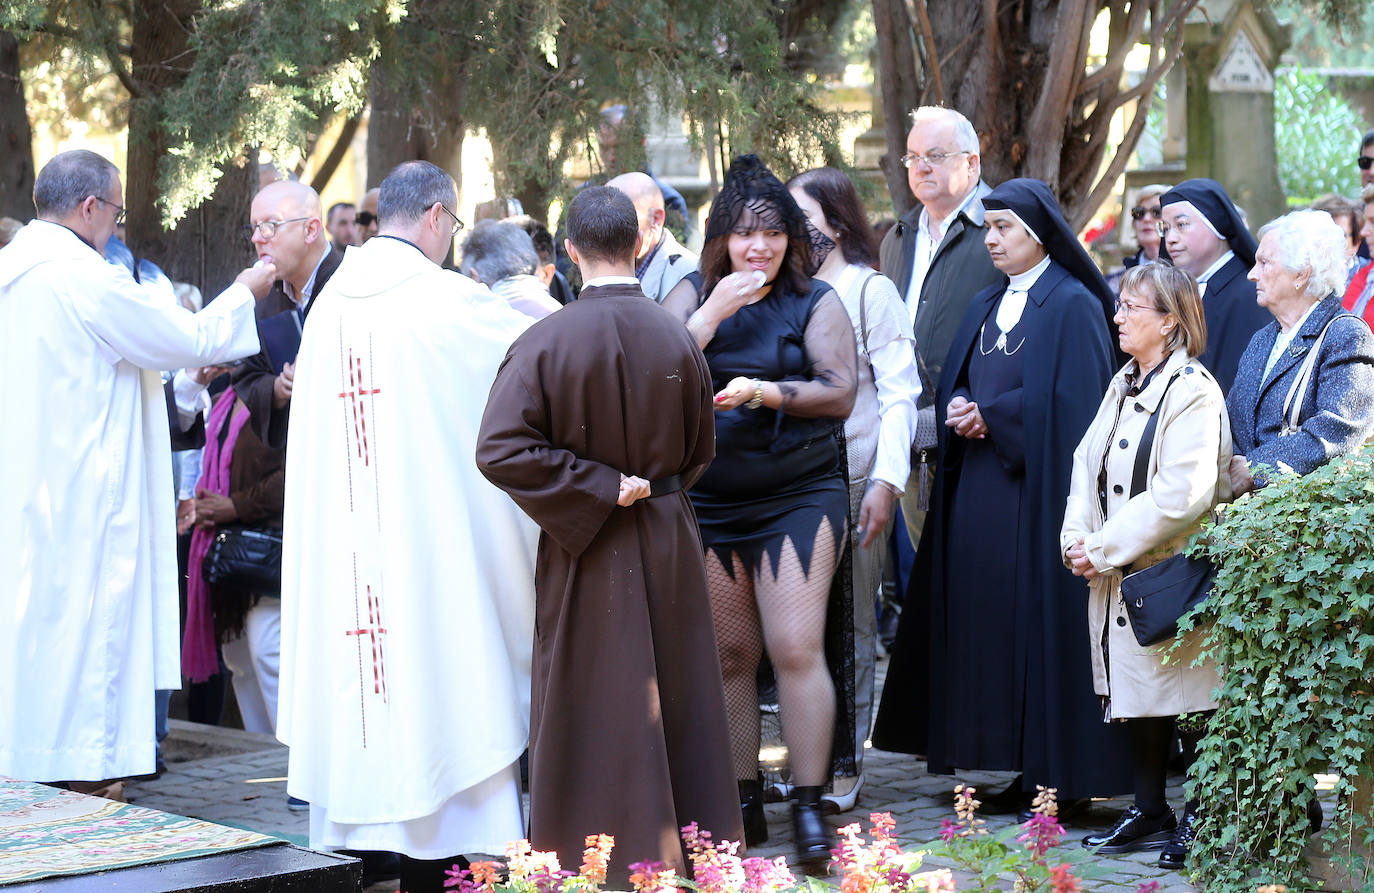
1291	624
1316	134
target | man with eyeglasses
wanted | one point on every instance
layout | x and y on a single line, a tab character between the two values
88	563
285	229
935	254
1205	235
397	549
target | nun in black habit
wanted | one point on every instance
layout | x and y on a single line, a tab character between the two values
987	673
1228	296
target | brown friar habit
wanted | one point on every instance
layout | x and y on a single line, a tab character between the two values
628	733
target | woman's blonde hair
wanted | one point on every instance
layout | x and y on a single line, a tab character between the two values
1172	291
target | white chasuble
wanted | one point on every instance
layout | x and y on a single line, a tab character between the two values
88	588
407	578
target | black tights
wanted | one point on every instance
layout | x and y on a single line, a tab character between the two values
1151	737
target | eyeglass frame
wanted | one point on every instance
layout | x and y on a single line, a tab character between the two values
1182	225
120	216
1364	162
457	224
1131	308
248	229
1140	212
911	158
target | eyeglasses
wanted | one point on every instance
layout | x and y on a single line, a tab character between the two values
934	159
268	228
1140	212
1365	162
1126	309
1183	225
119	217
457	224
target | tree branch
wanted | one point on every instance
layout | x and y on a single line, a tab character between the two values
920	16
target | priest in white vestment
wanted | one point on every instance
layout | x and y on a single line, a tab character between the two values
407	578
88	590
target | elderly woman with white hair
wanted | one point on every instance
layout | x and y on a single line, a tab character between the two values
1304	390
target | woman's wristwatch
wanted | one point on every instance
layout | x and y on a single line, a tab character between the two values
757	400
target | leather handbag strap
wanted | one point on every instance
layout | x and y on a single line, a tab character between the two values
1292	408
1140	474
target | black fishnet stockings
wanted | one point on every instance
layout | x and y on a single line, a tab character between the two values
785	612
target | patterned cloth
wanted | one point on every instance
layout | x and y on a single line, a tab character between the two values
45	832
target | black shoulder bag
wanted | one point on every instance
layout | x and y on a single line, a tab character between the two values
1159	595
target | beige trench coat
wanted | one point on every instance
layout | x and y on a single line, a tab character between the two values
1188	476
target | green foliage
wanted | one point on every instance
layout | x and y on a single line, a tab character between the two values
1291	624
1316	134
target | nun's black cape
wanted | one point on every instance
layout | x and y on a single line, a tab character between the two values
1228	302
1011	689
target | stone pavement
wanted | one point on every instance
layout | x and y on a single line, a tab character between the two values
238	779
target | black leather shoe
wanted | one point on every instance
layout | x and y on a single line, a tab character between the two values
1175	852
1068	810
1007	801
751	806
810	834
1134	832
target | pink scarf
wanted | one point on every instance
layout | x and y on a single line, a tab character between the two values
199	659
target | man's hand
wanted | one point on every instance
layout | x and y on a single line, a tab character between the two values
281	388
1241	480
186	515
875	511
964	417
1079	562
632	489
212	509
206	374
258	278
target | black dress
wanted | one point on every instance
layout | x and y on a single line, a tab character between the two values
985	520
776	475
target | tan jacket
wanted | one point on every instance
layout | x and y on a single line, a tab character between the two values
1188	476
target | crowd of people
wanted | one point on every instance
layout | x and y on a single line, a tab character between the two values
453	529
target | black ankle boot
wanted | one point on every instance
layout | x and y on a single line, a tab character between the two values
751	806
810	835
1175	852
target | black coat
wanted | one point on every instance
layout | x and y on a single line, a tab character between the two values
1067	366
253	381
1233	318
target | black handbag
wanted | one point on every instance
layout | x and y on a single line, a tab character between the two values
247	559
1159	595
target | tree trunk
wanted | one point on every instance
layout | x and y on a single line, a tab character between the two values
16	140
898	68
399	132
206	248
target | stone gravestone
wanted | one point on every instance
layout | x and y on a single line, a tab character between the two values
1230	50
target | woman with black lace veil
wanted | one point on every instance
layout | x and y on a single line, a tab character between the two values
772	507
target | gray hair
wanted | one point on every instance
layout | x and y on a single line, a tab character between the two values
964	134
411	189
1310	241
69	179
499	249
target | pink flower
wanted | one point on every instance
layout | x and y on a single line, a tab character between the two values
766	875
1148	887
1041	833
651	877
1062	880
948	830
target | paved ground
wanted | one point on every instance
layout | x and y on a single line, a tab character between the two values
239	779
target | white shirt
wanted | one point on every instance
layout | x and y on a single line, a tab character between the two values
1013	302
1212	271
926	247
309	291
892	362
610	280
1283	339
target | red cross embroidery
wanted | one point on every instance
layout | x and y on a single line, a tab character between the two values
355	390
374	630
